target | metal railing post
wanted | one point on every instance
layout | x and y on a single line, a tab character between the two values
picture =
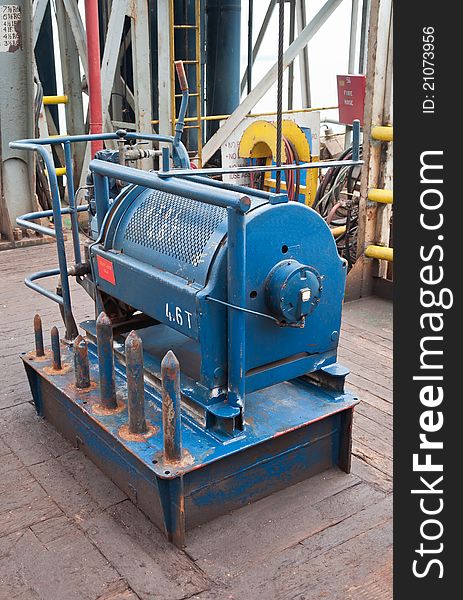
71	201
236	241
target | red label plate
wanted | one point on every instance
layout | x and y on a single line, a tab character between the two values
106	269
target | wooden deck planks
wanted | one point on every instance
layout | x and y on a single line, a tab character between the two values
325	538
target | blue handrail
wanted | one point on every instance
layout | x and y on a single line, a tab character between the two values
179	155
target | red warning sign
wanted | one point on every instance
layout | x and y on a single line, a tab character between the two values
106	269
351	98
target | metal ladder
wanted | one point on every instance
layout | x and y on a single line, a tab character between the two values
194	121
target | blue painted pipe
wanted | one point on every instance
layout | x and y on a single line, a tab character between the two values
29	281
26	220
61	250
229	186
179	126
181	159
180	154
101	189
186	189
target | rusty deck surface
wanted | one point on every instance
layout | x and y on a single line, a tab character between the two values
68	533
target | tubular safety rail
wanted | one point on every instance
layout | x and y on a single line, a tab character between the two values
53	100
181	159
380	253
383	133
382	196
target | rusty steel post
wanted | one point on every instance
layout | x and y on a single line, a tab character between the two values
55	349
135	383
81	365
104	335
171	417
39	349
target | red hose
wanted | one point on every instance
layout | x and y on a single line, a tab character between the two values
95	107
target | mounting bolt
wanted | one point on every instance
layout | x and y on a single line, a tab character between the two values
135	383
55	349
39	349
81	365
171	416
104	335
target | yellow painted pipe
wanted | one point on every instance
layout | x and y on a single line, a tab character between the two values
55	99
380	252
383	134
383	196
263	114
337	231
59	171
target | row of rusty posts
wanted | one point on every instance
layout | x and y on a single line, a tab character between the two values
170	378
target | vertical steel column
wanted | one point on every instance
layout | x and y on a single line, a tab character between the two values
250	60
94	72
292	28
101	191
301	21
17	184
353	36
165	58
171	415
135	383
71	201
236	241
223	32
364	35
104	335
72	85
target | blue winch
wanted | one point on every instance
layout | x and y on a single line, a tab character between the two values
227	387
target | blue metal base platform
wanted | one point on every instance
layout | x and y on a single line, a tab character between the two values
293	430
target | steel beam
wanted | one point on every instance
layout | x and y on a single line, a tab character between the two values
38	13
72	86
164	68
141	59
111	50
353	36
364	35
78	30
301	21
